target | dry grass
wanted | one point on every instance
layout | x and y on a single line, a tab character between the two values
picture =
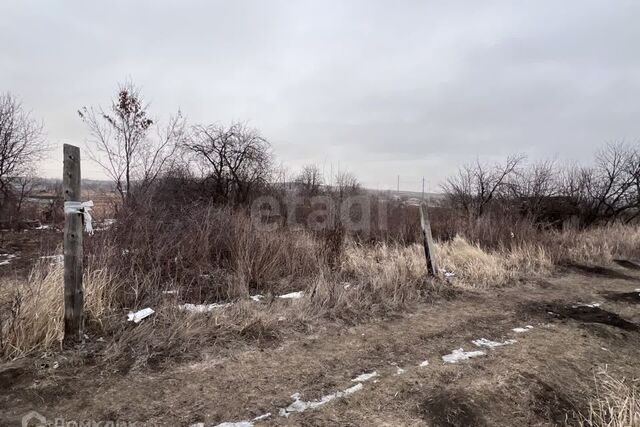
32	311
476	267
616	403
596	245
221	257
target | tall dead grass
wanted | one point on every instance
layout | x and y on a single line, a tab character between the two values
32	311
616	403
477	267
599	245
211	255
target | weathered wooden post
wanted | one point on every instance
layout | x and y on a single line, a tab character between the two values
427	241
73	291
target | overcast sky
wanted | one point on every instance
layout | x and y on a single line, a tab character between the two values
381	88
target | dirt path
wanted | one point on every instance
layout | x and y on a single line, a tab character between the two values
537	380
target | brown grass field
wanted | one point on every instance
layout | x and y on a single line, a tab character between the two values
377	311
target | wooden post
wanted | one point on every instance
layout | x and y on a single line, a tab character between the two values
73	291
427	241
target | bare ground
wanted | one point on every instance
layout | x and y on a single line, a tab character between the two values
541	380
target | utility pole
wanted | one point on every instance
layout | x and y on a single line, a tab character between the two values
423	188
427	241
73	290
398	190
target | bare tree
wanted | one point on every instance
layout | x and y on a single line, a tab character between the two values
613	183
476	185
346	184
236	158
310	180
123	144
534	186
22	144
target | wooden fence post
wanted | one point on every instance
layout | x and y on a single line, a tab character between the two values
427	241
73	291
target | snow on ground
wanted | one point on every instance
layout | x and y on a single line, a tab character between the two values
592	305
301	405
5	259
201	308
138	316
423	364
483	342
457	355
365	377
238	424
205	308
55	259
292	295
521	330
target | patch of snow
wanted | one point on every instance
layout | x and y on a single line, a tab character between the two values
400	371
105	224
457	355
238	424
170	292
202	308
423	364
521	330
301	405
483	342
7	258
257	298
449	274
592	305
262	417
44	227
346	285
138	316
365	377
293	295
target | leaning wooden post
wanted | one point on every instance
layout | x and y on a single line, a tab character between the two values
73	291
427	241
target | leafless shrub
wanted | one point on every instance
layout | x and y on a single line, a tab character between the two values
477	185
533	186
310	181
346	184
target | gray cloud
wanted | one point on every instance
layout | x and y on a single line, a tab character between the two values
380	88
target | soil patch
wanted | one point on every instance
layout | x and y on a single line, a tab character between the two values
629	297
627	264
452	408
585	314
550	403
600	271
